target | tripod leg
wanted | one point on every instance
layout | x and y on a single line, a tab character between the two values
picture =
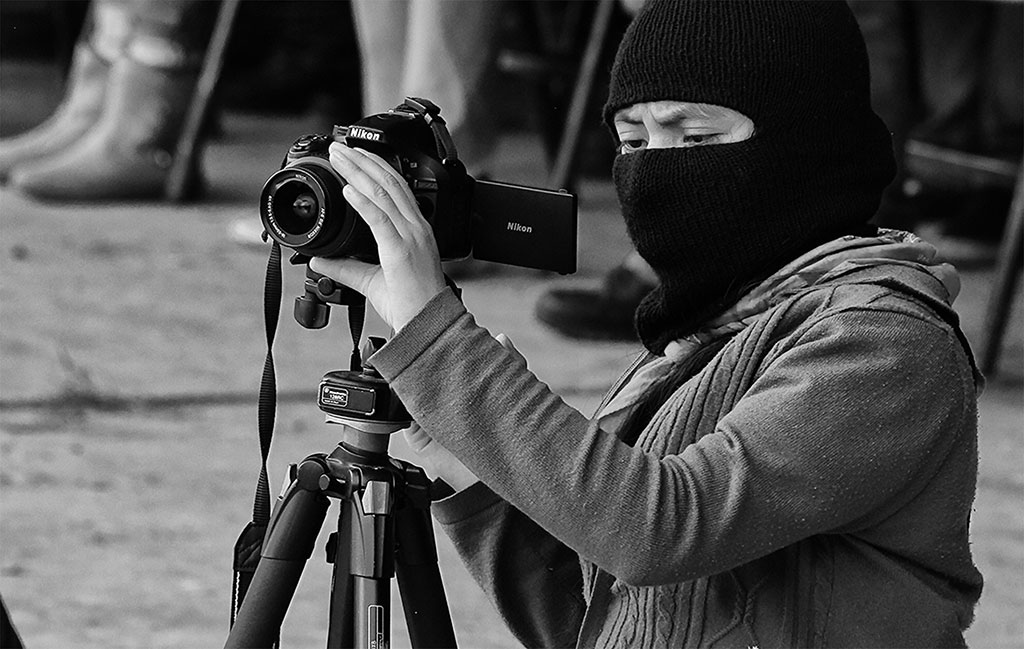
363	567
292	533
340	628
419	580
372	612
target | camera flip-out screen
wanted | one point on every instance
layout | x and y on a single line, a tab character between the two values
524	226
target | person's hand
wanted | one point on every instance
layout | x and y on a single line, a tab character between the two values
409	274
436	460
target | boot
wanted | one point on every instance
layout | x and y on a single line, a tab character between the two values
128	152
103	39
601	313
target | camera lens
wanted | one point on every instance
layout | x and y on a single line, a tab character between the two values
295	207
305	206
302	208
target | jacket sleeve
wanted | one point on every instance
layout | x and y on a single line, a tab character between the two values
534	581
857	410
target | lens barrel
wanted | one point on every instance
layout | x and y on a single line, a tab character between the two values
302	207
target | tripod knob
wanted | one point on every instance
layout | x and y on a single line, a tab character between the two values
311	313
325	286
310	473
316	474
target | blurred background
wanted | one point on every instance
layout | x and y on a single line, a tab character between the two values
135	137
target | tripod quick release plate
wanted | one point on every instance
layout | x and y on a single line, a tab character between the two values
360	397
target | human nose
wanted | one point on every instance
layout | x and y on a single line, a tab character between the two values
664	140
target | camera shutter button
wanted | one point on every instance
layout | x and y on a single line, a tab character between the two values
325	286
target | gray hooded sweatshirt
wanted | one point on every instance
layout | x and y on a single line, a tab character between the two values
811	486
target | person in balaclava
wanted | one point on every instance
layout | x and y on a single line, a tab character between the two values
792	459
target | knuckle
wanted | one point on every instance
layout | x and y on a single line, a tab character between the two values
374	217
393	184
424	234
380	192
404	254
357	199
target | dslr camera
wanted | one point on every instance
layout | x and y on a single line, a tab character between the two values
302	206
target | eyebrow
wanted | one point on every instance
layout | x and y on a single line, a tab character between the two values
629	116
674	113
677	112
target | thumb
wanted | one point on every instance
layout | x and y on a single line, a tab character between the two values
353	273
506	342
416	437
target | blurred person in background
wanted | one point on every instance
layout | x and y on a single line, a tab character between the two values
793	459
944	72
113	136
948	73
441	50
436	49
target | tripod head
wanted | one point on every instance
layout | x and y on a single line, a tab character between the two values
359	399
312	309
363	403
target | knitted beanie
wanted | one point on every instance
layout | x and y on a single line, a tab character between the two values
710	219
779	62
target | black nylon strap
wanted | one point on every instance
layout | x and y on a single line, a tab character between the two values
356	319
250	542
267	408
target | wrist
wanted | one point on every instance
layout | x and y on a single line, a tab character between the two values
409	343
401	321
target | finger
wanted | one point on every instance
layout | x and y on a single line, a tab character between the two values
354	274
384	166
506	342
366	177
385	231
378	165
416	438
375	180
377	168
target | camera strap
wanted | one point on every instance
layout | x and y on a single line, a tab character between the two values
431	114
250	541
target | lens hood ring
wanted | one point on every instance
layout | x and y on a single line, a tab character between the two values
313	178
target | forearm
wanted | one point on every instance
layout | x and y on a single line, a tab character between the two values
479	400
780	466
580	484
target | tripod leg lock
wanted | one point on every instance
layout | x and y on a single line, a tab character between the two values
377	497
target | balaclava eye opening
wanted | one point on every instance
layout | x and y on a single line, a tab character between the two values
711	219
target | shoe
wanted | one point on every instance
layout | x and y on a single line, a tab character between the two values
77	113
128	152
601	313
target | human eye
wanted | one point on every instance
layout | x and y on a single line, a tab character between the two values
700	139
632	145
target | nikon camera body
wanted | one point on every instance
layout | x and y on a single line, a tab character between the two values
302	206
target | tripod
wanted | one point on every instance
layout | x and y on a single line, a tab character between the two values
384	526
384	529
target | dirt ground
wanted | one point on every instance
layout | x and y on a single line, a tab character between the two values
118	511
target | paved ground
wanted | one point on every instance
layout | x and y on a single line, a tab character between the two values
118	519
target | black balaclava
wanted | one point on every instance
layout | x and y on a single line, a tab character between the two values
711	219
